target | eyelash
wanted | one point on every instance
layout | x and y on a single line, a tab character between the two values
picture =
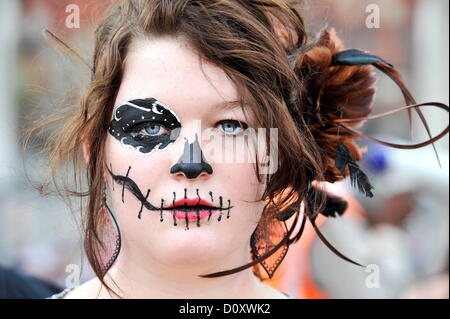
137	131
239	124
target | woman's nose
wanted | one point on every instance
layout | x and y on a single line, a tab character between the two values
192	163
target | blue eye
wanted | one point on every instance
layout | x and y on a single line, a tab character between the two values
232	127
152	129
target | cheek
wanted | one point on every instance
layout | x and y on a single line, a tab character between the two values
144	170
239	181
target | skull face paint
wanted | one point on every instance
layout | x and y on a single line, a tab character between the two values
146	125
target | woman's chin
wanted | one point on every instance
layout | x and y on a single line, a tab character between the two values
192	247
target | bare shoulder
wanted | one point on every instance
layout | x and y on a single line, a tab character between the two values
89	290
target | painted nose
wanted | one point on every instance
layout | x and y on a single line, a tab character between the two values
192	162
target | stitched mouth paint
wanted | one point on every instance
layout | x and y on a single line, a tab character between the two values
146	125
187	209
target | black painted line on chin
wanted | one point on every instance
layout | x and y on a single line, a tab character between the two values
198	218
198	213
173	212
142	204
209	215
221	204
174	219
212	201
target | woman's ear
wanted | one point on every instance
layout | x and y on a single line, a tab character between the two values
86	150
86	154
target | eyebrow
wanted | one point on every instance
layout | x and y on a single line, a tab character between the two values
226	105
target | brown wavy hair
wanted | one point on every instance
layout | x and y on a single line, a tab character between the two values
283	78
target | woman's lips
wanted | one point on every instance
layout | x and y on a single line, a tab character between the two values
192	215
193	209
190	202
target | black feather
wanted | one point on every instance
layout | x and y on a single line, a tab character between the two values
334	205
356	57
343	158
310	195
358	178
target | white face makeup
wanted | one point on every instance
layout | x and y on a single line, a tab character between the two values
174	206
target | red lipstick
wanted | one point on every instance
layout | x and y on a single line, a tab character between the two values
190	202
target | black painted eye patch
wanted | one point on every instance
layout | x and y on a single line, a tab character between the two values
131	116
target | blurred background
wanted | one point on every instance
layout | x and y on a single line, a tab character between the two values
402	233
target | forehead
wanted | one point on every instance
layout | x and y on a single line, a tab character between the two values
168	69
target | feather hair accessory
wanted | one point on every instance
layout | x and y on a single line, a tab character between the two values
358	178
339	88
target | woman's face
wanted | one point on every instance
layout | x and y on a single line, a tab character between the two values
158	155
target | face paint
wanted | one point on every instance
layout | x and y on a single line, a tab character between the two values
192	162
185	208
144	124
